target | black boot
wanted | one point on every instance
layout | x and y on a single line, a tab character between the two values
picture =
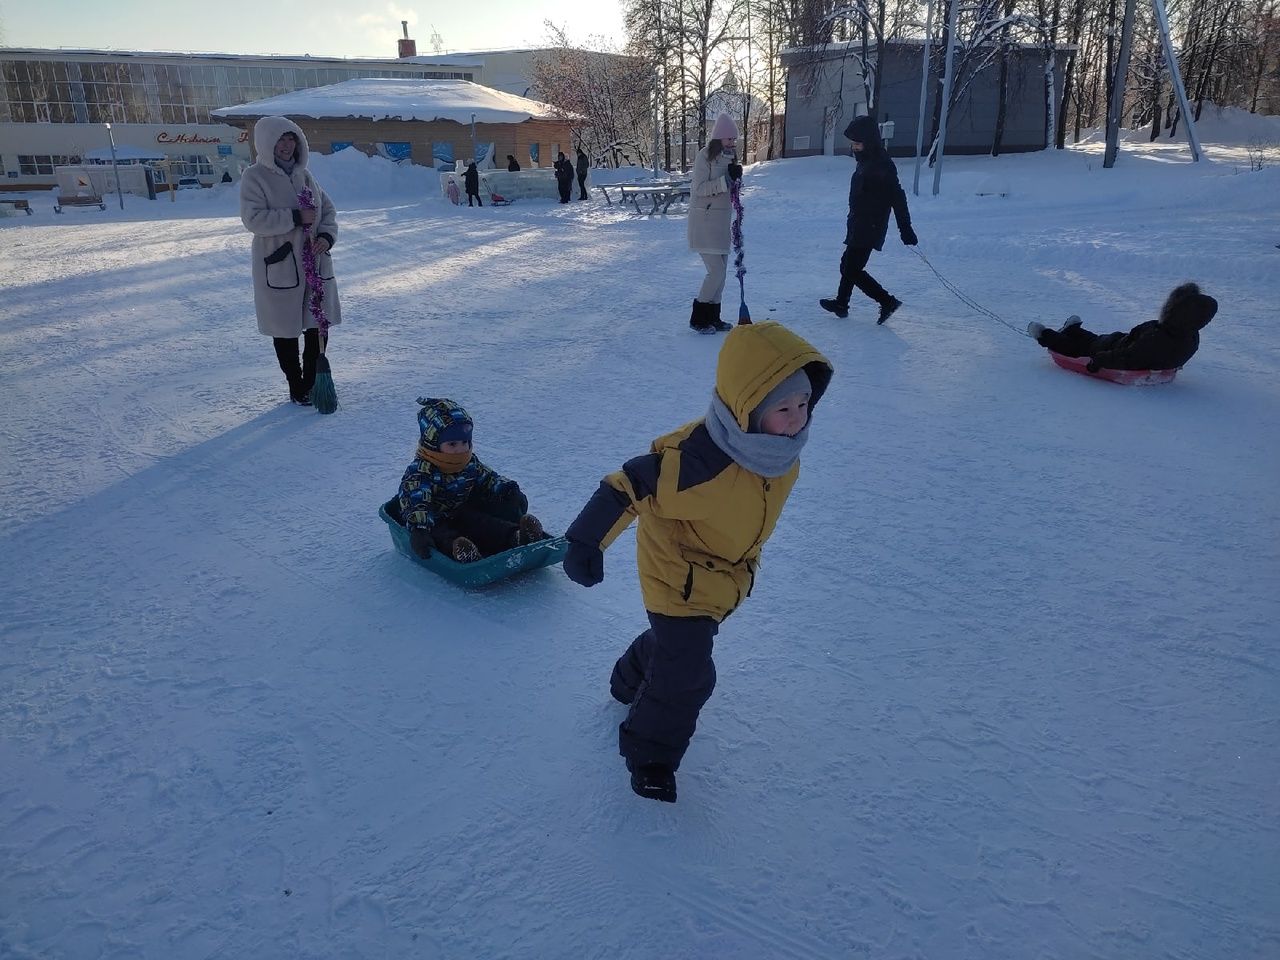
717	325
887	308
699	318
653	781
287	357
834	306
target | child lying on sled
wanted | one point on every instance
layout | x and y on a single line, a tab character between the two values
452	502
1165	343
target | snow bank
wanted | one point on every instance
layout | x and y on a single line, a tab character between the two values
354	179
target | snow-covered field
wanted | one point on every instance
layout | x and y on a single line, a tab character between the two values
1007	686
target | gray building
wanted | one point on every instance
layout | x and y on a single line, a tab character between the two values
825	91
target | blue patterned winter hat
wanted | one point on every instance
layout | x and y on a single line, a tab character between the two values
442	421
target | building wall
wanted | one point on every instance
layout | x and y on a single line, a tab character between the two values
56	103
368	136
970	127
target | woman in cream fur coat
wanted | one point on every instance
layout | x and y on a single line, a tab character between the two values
271	211
710	211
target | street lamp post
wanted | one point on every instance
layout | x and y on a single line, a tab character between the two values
115	167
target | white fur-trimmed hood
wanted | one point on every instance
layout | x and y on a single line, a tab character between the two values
270	129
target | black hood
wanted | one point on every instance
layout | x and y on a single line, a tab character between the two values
867	132
1187	309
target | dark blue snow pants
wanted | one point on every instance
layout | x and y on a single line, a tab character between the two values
666	676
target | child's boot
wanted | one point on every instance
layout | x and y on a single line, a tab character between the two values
653	781
464	551
1034	330
530	530
1071	321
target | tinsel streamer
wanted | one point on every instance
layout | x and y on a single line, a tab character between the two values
311	270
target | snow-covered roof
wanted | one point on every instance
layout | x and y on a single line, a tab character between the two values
378	98
62	53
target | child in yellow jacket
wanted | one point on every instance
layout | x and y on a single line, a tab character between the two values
707	497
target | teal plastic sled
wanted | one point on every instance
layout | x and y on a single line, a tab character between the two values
500	566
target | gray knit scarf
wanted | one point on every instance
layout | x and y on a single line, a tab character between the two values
288	165
761	453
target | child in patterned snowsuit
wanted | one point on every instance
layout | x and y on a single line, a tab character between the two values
452	502
707	497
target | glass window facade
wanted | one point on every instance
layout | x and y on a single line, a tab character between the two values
97	91
42	164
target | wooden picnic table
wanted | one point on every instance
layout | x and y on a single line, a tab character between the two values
18	204
659	194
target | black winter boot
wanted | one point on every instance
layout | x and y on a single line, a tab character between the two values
718	325
699	318
653	781
887	309
834	306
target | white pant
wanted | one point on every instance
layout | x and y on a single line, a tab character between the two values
713	286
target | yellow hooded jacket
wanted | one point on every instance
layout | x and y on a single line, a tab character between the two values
702	517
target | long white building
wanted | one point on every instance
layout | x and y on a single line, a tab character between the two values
55	104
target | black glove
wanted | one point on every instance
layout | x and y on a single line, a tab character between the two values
735	171
420	541
1093	366
516	498
909	237
584	563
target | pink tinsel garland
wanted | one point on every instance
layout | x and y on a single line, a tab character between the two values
307	202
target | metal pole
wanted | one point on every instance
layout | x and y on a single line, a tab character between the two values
1116	107
924	95
115	167
656	95
946	94
1175	74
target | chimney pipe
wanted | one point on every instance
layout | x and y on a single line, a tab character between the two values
407	47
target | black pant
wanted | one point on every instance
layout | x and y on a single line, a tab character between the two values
301	377
1076	341
490	534
582	186
667	674
853	274
566	189
476	195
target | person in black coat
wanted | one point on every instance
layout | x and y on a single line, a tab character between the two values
874	190
584	165
513	166
564	177
471	179
1165	343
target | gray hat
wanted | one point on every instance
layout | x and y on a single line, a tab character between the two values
798	382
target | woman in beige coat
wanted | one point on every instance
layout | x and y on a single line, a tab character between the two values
271	211
710	211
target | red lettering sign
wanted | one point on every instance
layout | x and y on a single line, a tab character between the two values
165	137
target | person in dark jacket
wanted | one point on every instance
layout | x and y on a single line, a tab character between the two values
584	165
513	165
1165	343
564	177
471	179
874	190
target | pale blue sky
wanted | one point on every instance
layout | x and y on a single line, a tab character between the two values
346	28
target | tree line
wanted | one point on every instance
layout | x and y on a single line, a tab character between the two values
701	56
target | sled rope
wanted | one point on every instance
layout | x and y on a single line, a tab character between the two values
965	298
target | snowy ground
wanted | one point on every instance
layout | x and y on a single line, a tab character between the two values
1006	688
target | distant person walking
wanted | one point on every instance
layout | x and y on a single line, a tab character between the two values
874	190
714	169
471	180
564	177
584	167
271	210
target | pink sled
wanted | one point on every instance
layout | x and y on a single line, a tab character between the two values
1130	378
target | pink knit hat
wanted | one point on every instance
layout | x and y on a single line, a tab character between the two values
725	128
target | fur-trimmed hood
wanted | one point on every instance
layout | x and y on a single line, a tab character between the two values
1187	310
270	129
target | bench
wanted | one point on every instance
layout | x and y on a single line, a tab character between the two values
94	201
19	205
659	194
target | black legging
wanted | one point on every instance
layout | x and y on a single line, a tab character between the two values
301	377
